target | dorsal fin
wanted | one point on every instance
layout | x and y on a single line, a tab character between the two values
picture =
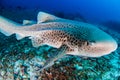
45	17
28	22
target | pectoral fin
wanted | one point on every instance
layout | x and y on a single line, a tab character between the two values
59	54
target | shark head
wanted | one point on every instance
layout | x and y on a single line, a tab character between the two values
96	43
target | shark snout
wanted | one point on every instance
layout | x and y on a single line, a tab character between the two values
108	46
103	48
103	44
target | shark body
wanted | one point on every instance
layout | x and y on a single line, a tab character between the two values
81	38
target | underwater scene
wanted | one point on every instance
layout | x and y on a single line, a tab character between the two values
59	39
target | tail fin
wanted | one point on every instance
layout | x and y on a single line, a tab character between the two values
7	26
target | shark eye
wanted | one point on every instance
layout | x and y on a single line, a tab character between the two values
91	43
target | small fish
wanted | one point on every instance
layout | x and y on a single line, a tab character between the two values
82	39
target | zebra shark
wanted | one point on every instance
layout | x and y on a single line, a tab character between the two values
80	38
83	39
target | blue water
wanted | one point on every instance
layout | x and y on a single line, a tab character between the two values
98	12
95	11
